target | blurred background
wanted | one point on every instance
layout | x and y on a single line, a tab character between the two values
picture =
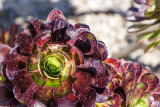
106	19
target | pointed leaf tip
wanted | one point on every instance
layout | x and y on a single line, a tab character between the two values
52	15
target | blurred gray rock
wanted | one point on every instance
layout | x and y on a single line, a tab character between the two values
100	5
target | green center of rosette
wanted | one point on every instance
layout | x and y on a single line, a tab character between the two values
52	67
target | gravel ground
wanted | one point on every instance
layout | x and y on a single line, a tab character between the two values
106	19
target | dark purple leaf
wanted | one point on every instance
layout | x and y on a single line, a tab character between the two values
129	79
102	96
83	81
88	97
42	38
25	44
151	79
44	94
139	89
26	97
13	64
5	96
137	68
59	24
103	50
36	23
156	97
64	89
116	100
68	101
97	81
81	25
113	62
52	15
4	50
111	70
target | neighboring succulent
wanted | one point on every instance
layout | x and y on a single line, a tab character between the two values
148	10
131	85
6	37
54	64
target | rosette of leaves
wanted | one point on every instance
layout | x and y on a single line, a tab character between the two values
131	85
148	10
54	63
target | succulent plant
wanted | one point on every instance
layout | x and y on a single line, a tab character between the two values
148	10
131	85
54	63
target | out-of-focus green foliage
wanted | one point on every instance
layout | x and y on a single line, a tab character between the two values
148	10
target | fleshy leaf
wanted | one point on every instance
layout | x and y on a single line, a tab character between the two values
15	103
103	50
146	97
23	80
32	63
97	81
151	79
83	81
79	57
42	38
129	97
88	97
16	63
157	89
137	68
114	62
129	80
139	89
81	25
52	15
53	83
93	42
64	89
44	94
140	103
70	100
59	29
38	78
102	96
5	96
36	23
156	97
116	100
25	43
111	70
111	87
26	97
4	50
